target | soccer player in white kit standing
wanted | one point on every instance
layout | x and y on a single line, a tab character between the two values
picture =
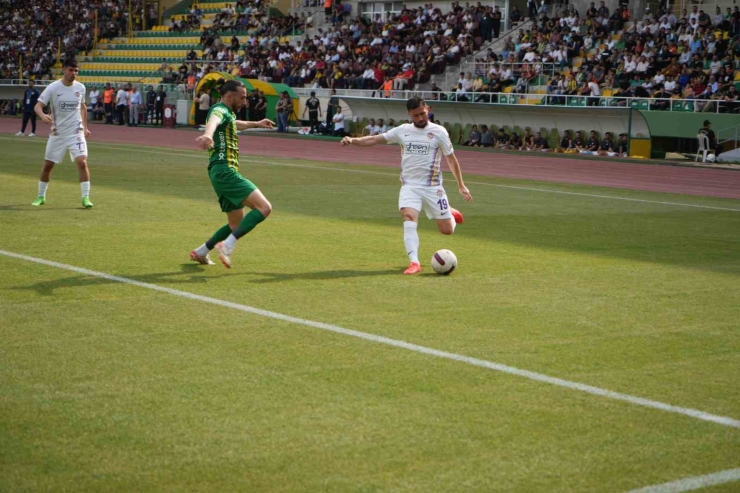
68	131
423	144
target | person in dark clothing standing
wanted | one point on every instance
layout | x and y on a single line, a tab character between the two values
252	106
314	113
496	22
159	100
151	98
330	109
30	97
486	25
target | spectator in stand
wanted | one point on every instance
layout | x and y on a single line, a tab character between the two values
592	146
566	143
371	128
515	142
474	138
338	121
540	143
159	101
527	141
134	105
109	96
606	147
121	102
486	138
502	140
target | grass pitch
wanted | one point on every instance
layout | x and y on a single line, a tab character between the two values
112	387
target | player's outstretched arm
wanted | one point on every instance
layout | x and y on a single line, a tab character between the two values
242	125
368	141
454	166
205	141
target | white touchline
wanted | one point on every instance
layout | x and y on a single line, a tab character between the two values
368	172
691	484
638	401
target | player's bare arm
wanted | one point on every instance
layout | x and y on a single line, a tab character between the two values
39	110
83	114
454	166
205	141
368	141
242	125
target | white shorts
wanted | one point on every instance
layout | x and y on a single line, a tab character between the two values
432	200
75	144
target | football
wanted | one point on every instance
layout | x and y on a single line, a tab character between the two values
444	262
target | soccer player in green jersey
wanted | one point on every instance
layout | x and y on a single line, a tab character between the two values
233	190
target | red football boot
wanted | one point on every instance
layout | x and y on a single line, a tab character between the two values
413	268
457	215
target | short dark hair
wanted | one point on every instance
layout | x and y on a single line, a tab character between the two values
230	86
414	103
70	62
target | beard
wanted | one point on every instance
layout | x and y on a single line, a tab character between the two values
421	124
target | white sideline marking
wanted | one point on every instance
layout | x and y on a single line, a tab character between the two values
695	483
368	172
539	377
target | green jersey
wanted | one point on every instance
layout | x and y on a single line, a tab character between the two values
225	148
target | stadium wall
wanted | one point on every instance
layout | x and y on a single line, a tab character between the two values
537	118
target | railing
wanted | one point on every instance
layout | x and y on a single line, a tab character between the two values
481	69
550	100
729	134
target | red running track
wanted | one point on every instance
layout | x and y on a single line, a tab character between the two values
528	166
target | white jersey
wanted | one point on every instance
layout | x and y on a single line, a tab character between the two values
422	152
65	102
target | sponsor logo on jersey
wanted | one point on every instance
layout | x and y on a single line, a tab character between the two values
420	148
68	106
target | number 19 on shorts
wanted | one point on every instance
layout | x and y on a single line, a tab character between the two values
442	203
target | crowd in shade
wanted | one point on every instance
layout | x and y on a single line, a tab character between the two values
691	56
32	31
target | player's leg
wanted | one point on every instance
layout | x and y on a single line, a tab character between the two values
33	124
409	204
260	209
26	117
437	207
55	148
78	152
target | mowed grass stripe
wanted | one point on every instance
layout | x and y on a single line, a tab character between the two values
199	155
639	401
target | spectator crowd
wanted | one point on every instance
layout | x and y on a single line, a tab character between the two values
31	31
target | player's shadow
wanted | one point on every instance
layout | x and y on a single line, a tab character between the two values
192	271
326	275
28	208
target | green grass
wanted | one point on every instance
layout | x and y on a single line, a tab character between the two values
112	387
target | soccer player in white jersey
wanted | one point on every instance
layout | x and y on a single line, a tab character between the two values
66	97
423	144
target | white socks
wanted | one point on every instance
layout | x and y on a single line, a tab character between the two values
84	188
230	242
411	240
202	250
43	185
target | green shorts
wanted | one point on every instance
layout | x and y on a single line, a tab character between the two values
230	187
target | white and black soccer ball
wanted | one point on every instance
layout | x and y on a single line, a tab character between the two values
711	158
444	262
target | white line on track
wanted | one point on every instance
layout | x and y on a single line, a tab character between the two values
695	483
539	377
368	172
